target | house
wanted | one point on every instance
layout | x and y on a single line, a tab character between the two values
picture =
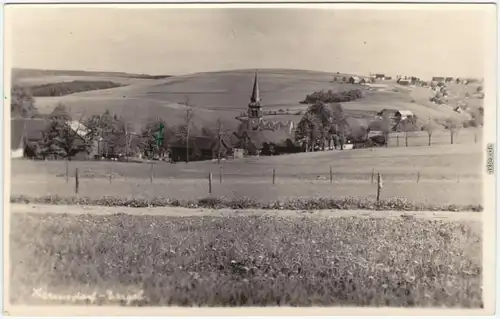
388	112
200	148
402	114
448	79
380	76
354	80
438	78
23	131
404	82
27	133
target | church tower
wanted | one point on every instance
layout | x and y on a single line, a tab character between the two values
254	107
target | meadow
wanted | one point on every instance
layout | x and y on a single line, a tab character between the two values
247	260
440	175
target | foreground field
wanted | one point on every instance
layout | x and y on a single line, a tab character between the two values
248	260
441	175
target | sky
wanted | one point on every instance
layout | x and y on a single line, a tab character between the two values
421	42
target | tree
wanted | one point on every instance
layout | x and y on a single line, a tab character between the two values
22	103
407	125
187	123
453	126
430	128
61	139
307	131
221	134
386	127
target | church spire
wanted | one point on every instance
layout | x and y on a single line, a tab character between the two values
255	98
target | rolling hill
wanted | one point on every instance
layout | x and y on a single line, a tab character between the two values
223	95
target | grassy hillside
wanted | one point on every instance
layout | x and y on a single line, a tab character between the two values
223	95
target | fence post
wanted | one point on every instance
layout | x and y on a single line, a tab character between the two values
67	170
274	175
220	175
210	183
418	177
110	173
331	175
373	174
77	181
151	172
380	185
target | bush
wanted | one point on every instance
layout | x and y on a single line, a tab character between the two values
333	97
249	203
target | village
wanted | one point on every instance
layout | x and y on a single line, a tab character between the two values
108	137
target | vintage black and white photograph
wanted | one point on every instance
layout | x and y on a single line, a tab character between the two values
249	156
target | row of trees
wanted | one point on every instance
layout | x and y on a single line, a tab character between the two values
323	123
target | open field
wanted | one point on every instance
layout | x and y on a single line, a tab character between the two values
216	95
247	260
448	174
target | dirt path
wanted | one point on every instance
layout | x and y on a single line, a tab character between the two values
179	212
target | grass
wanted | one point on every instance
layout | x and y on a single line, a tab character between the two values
249	260
446	175
347	203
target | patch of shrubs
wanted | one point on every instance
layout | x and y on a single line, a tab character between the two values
343	203
333	97
66	88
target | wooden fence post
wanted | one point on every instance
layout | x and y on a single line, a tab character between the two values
77	182
220	175
373	174
151	172
110	174
274	175
418	177
379	185
331	175
67	171
210	183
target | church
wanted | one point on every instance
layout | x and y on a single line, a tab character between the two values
257	135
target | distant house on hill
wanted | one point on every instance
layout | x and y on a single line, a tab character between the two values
404	82
354	80
402	114
380	76
448	79
388	112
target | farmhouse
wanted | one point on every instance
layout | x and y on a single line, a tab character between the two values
200	148
356	80
402	114
27	133
22	132
380	76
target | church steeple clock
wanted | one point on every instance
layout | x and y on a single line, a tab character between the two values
254	107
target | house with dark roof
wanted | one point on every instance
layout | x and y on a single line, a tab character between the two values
22	132
200	148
